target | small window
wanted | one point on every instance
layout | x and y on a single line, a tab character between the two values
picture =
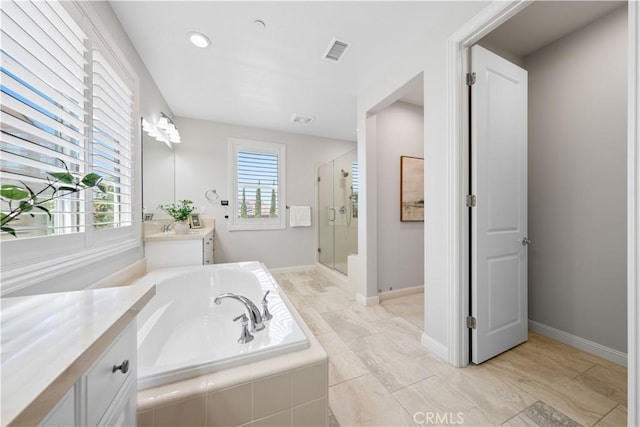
257	177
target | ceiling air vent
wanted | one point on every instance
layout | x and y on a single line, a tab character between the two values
300	119
336	50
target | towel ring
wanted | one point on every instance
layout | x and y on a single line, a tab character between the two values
212	195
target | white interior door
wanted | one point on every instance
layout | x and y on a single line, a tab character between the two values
499	219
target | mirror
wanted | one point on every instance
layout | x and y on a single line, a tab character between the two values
158	176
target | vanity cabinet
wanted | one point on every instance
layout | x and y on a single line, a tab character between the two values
162	251
70	358
106	395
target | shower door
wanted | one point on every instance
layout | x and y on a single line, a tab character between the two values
326	214
338	211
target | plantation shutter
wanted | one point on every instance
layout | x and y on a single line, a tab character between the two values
112	145
43	85
257	184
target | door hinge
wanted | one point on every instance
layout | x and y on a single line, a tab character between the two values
318	179
319	250
470	201
471	322
471	79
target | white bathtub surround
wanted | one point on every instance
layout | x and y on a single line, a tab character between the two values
182	333
123	277
50	340
269	387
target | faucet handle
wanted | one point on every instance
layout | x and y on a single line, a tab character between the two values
245	336
265	308
244	318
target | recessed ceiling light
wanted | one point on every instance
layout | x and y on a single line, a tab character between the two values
259	24
199	39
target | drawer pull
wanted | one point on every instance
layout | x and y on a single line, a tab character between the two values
124	367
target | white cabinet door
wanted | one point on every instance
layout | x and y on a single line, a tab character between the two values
122	413
64	414
499	220
173	253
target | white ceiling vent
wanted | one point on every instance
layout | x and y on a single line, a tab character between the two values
336	49
300	119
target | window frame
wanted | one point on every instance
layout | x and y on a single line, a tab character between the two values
253	224
29	261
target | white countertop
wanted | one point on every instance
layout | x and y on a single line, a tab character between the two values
50	340
192	234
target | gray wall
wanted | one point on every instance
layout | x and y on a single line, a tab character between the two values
577	182
201	165
400	132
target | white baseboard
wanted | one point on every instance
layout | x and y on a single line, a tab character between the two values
583	344
362	300
401	292
439	350
294	269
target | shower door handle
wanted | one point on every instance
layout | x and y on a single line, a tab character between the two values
332	214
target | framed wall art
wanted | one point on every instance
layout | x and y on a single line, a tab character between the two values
411	189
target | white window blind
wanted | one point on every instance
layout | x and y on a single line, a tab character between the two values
258	177
43	86
257	185
66	102
112	145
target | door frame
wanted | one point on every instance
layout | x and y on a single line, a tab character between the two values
458	187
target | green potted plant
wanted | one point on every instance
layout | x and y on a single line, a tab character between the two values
21	199
180	213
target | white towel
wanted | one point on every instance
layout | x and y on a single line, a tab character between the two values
300	216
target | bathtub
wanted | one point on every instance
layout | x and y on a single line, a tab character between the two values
183	334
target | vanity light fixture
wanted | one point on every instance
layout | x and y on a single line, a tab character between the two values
165	130
166	125
199	39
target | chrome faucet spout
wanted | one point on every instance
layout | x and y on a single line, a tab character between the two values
254	314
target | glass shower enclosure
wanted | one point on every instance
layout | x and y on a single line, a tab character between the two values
338	211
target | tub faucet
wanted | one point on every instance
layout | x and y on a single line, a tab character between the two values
254	313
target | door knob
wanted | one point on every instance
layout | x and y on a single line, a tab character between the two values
525	241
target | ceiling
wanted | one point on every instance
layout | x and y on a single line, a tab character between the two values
544	22
260	78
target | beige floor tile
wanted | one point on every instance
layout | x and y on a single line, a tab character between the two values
390	365
615	418
556	361
387	337
365	402
410	307
348	325
543	414
434	398
403	334
372	313
343	363
611	383
497	397
569	397
547	345
537	368
520	421
313	319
